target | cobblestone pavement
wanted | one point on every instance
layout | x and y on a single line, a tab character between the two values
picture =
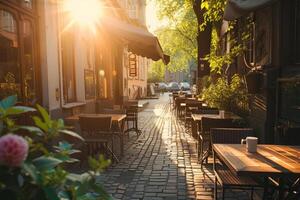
162	162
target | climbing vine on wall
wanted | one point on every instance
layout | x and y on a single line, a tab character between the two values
214	10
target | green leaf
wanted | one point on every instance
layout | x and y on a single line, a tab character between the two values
31	129
100	190
32	171
51	193
45	163
71	133
15	110
8	102
44	114
62	195
39	123
79	177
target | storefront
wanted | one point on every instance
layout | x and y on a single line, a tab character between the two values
19	71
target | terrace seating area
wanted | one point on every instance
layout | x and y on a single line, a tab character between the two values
178	147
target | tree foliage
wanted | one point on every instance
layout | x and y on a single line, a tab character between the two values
178	37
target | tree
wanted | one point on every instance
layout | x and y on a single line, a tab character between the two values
178	38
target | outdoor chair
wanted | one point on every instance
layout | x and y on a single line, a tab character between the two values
292	188
191	105
207	110
174	96
223	175
178	107
204	137
115	127
96	132
132	117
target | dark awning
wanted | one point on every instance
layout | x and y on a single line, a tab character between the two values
237	8
140	41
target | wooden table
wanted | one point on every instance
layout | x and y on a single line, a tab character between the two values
197	119
114	117
269	161
227	115
117	120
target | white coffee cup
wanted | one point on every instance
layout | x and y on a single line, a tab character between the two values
251	144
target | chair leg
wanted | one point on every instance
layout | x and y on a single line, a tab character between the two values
223	193
201	154
251	193
216	189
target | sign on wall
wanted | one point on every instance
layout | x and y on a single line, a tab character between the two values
132	65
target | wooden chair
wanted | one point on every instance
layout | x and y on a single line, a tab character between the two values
191	105
97	131
204	135
178	107
132	116
223	175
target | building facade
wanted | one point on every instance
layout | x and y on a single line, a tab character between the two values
273	55
138	65
47	59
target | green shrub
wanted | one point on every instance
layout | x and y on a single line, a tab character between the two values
230	96
33	159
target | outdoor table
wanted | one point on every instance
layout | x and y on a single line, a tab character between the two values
117	120
197	119
278	161
227	115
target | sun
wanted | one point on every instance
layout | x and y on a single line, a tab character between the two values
84	12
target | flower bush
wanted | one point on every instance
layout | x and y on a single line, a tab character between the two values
13	150
33	159
230	96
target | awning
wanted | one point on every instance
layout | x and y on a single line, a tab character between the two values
237	8
140	41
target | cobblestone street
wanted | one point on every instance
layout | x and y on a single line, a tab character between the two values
162	162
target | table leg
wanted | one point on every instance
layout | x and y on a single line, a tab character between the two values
281	188
122	136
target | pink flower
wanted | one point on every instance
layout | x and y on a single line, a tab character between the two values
13	150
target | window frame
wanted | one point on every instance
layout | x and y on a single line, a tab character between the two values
22	14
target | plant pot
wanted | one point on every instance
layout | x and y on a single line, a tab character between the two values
254	81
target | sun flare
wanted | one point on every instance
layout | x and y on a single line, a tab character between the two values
84	12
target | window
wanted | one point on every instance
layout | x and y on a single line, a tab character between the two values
17	52
10	76
296	42
68	63
132	9
27	3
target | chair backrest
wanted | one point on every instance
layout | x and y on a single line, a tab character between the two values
114	111
207	110
95	123
208	123
229	135
188	95
180	100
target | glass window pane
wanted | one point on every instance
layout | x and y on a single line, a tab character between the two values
297	32
27	3
10	78
29	79
67	44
